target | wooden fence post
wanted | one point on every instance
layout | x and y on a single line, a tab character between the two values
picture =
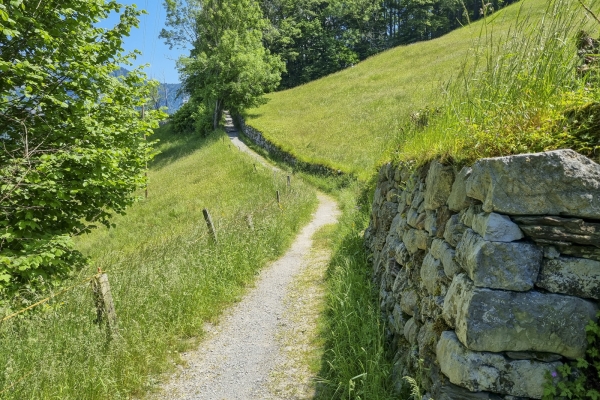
278	198
105	307
209	223
289	181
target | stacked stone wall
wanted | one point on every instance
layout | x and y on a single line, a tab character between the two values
258	139
489	274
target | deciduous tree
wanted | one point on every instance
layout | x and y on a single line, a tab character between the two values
228	66
72	148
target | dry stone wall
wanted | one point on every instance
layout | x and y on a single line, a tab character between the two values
488	275
258	139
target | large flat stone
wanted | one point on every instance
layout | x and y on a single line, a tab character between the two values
411	331
417	199
572	230
449	391
560	182
499	265
496	227
409	302
573	276
436	220
498	320
482	371
581	251
438	185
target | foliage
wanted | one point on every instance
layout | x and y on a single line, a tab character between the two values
72	143
191	117
228	66
166	278
580	379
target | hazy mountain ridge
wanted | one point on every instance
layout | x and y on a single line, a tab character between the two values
168	94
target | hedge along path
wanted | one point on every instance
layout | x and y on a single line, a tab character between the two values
241	355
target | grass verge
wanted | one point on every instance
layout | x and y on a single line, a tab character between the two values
354	363
167	278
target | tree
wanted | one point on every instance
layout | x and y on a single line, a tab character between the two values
228	66
72	148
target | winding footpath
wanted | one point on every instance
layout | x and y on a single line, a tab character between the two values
241	356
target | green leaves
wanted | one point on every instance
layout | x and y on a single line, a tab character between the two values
72	148
228	67
578	380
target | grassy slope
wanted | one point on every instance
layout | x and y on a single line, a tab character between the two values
347	120
167	279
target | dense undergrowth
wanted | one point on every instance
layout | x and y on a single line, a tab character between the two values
167	278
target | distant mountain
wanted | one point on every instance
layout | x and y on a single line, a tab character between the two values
168	96
168	93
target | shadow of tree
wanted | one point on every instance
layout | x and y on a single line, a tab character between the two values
172	147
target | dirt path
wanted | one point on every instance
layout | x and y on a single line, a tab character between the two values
252	353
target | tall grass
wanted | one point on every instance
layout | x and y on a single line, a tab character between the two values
167	278
512	93
349	120
354	363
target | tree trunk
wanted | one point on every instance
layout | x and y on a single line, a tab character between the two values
217	113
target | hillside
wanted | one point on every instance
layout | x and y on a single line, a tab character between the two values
348	120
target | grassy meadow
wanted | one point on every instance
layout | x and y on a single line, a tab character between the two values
354	119
167	277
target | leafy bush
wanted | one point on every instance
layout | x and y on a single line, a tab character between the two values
192	117
581	379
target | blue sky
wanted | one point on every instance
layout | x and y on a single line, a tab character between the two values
145	38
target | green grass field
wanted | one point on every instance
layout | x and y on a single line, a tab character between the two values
352	119
167	277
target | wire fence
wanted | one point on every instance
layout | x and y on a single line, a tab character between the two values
101	288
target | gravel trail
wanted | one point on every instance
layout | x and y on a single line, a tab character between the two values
239	355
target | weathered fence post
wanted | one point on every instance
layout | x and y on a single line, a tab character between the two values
289	181
209	223
105	307
278	198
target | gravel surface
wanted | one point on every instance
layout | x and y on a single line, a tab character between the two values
239	356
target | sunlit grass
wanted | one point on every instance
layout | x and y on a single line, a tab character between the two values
350	120
167	277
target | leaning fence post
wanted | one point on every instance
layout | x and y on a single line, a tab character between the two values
209	223
105	307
